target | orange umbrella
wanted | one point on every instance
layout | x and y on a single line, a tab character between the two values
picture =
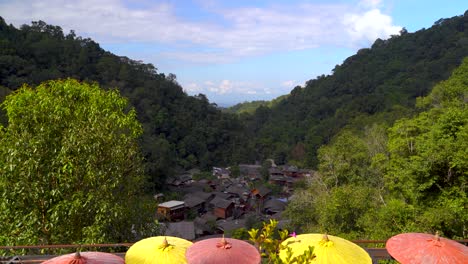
414	248
224	251
86	258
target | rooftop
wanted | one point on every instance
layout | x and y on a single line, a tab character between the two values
171	204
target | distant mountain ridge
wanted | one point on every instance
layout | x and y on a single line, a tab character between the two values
378	84
180	131
383	80
250	107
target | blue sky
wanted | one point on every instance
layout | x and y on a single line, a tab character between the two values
235	51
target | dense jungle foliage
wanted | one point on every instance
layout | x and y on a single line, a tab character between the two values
411	176
250	107
180	131
379	84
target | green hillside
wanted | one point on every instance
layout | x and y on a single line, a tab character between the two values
376	84
381	82
250	107
382	180
387	133
180	131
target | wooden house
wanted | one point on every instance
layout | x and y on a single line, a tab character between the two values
283	181
223	209
252	172
261	192
290	171
274	206
227	226
275	171
183	229
195	204
172	210
238	191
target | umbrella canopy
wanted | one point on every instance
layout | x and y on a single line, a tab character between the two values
160	249
327	249
86	258
222	251
414	248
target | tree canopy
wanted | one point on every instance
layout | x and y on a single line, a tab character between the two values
384	79
179	131
70	167
388	162
410	178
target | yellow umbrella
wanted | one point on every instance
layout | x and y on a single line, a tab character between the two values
160	249
327	249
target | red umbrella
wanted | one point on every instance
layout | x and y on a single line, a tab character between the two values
412	248
86	258
224	251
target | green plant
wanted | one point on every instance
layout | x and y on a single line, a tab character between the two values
269	240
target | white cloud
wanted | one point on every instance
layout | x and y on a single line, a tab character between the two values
224	87
370	3
289	84
192	88
244	31
370	26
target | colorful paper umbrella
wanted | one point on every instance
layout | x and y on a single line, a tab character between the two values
415	248
160	249
327	249
222	251
86	258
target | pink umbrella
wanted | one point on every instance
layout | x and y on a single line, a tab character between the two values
412	248
224	251
86	258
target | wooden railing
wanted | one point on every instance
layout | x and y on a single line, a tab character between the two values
377	251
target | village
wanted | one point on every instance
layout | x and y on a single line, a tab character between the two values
227	201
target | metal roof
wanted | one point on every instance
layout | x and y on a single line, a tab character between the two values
171	204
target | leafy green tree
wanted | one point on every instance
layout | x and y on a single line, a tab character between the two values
70	168
428	168
339	211
373	184
302	209
344	161
394	217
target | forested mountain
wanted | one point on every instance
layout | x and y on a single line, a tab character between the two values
250	107
179	130
385	165
381	82
246	107
378	84
410	176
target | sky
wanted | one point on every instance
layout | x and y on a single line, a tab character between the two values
239	50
